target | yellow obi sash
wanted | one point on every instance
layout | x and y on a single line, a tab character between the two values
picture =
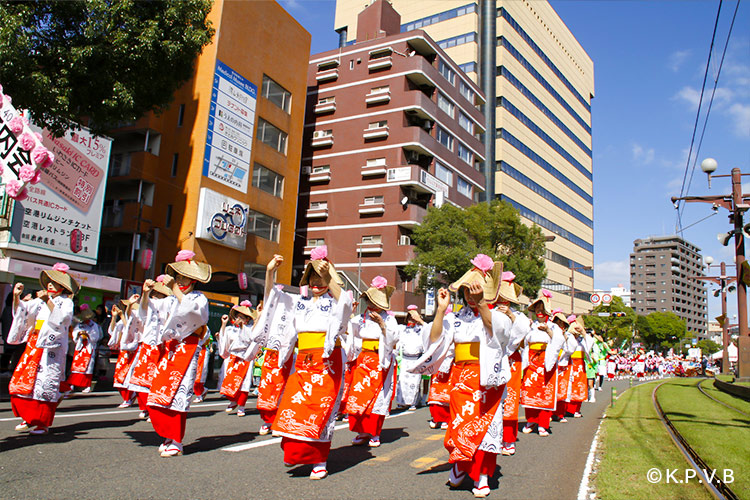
577	354
39	324
313	340
370	345
538	346
467	352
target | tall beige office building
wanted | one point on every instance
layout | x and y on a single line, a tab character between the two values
521	52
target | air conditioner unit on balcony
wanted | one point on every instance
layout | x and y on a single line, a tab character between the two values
307	170
404	240
412	156
319	134
428	124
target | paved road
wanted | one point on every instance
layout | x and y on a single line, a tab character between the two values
98	451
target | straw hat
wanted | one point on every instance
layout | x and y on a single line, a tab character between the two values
487	273
380	293
86	313
558	315
59	274
160	287
245	307
186	266
133	304
544	299
509	290
317	257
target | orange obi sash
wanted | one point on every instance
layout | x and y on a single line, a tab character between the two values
513	387
146	364
124	360
172	369
310	396
24	376
578	384
82	358
539	386
367	381
467	352
236	372
370	345
272	380
470	418
440	388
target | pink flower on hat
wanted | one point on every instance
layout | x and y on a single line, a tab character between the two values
246	303
63	268
160	278
571	318
319	253
412	308
546	293
27	141
555	311
379	282
184	255
84	307
16	190
482	262
16	125
508	276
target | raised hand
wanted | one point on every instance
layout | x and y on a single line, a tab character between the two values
476	292
443	299
275	262
17	290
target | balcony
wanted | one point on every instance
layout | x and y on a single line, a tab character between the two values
327	71
320	176
416	177
375	133
371	208
369	248
374	169
378	97
380	63
319	141
325	107
317	213
412	216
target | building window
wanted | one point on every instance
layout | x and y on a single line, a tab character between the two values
373	200
318	205
457	40
322	169
272	136
380	124
175	158
444	138
372	238
316	242
267	180
180	115
262	225
466	91
276	94
465	154
380	90
465	122
463	187
443	173
445	104
447	72
168	221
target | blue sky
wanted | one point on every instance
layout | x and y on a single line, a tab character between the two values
649	61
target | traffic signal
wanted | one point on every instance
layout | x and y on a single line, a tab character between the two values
618	314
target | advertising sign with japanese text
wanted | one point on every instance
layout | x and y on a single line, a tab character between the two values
222	219
61	217
229	137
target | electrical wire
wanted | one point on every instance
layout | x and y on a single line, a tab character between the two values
698	114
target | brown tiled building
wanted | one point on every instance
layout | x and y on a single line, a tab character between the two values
218	172
392	126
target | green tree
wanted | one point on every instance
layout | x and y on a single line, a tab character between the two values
110	61
613	327
449	237
708	346
661	330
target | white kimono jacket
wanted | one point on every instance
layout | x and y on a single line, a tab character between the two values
410	346
94	333
240	342
184	318
53	338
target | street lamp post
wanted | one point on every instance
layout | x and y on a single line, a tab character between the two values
573	269
736	203
723	281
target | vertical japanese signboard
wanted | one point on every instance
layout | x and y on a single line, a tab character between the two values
230	128
61	217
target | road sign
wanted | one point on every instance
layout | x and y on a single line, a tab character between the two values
596	299
606	298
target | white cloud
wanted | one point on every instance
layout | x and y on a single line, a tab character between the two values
676	59
740	113
609	274
691	96
641	155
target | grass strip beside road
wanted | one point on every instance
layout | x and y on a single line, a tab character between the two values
633	441
740	404
718	434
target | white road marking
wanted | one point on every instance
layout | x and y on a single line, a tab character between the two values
113	412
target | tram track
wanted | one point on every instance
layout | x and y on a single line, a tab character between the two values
718	488
720	402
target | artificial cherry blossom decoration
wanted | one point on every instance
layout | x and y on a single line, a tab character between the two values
63	268
547	293
246	303
483	262
184	255
16	190
379	282
319	253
